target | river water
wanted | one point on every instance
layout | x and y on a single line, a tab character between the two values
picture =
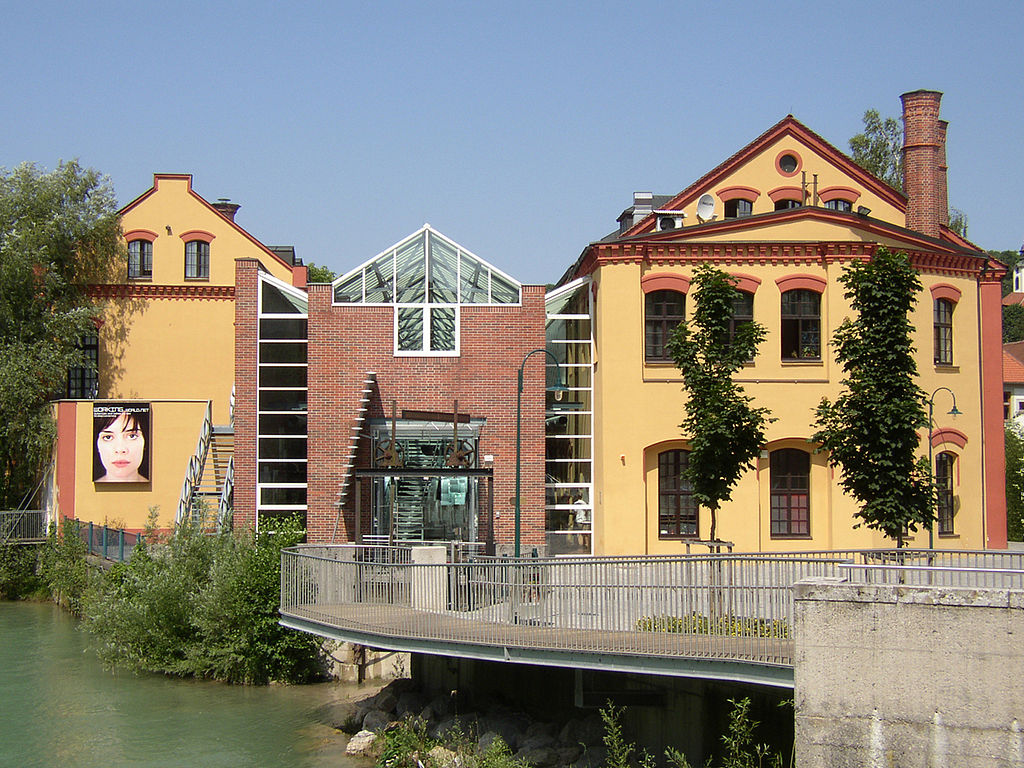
59	708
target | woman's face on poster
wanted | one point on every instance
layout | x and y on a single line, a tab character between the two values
121	444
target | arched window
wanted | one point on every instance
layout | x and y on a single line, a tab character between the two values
738	207
742	312
801	325
943	318
790	471
677	510
140	259
197	260
785	205
945	463
838	204
663	311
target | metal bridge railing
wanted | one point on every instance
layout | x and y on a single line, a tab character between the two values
109	543
737	606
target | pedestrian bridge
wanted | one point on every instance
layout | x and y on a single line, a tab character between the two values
726	617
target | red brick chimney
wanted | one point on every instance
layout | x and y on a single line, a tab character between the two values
924	162
226	208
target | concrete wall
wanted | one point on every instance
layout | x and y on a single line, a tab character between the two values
903	677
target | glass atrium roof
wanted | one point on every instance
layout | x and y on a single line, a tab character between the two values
426	268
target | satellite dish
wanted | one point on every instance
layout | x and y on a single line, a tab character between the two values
705	208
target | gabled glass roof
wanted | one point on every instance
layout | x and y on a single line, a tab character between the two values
426	268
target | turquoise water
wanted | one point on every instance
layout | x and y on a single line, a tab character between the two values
59	707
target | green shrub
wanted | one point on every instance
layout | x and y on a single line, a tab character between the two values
63	566
19	572
204	606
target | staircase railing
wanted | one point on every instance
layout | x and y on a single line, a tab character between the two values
225	505
195	466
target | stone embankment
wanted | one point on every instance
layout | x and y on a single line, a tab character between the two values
575	741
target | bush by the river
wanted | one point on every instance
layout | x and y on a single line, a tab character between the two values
201	605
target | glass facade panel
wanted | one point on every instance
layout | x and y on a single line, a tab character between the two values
282	400
282	447
283	496
410	270
282	352
503	291
380	279
410	328
283	328
282	424
282	376
442	329
351	290
443	278
278	302
475	281
282	472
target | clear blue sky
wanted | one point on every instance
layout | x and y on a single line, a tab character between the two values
520	130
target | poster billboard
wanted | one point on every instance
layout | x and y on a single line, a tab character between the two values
122	443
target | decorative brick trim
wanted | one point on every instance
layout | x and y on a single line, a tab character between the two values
149	291
801	282
782	154
829	194
948	435
735	193
197	234
945	291
747	283
786	193
140	234
665	282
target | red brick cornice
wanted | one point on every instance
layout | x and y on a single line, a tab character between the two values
150	291
794	253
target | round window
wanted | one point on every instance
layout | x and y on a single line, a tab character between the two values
788	163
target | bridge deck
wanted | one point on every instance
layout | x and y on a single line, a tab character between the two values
756	659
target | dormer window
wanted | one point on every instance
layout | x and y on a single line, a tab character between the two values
838	204
738	208
785	205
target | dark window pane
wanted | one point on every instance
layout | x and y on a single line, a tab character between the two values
282	496
944	466
790	492
677	510
283	400
283	424
943	325
282	448
283	328
282	376
282	352
282	472
801	325
197	260
277	302
663	311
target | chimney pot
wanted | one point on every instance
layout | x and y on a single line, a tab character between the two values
226	208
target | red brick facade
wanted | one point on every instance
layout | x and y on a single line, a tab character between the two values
346	342
246	371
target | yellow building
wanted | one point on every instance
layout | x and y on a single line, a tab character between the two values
784	216
165	347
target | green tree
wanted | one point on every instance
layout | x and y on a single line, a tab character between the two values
871	429
318	274
879	148
59	232
958	221
725	431
1014	483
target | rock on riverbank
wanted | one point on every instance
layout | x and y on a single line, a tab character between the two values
574	741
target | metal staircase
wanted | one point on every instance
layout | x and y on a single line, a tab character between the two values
217	476
355	433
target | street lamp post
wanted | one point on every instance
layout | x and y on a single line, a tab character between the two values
931	466
558	390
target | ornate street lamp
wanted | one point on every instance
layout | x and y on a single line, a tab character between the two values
931	467
558	389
